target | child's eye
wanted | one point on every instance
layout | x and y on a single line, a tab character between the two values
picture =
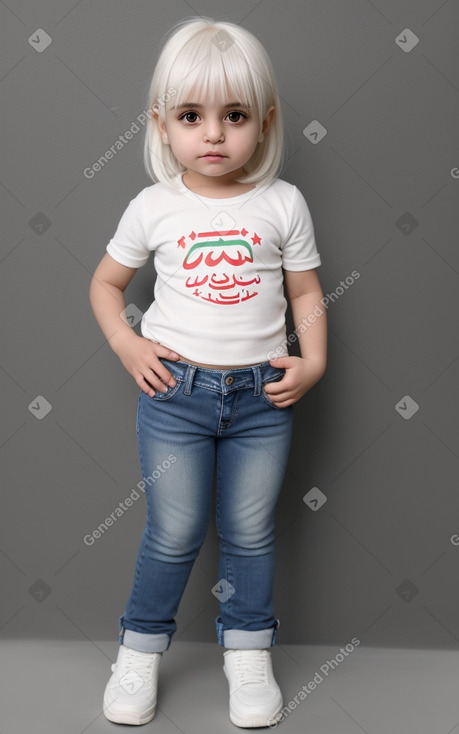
235	114
189	115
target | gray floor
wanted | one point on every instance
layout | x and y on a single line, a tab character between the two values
55	687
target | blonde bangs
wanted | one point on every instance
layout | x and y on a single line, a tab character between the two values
204	72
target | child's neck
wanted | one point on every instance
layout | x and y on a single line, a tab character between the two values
221	187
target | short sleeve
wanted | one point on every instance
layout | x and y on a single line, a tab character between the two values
299	251
128	245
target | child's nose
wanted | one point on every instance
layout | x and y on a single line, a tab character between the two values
213	130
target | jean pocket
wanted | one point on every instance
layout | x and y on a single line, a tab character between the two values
171	391
268	400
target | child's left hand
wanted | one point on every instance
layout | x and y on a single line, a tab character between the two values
301	373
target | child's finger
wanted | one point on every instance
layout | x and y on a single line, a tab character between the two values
276	387
160	377
165	352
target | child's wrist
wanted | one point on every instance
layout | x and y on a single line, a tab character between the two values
319	361
119	340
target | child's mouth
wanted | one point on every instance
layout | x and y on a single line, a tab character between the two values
214	156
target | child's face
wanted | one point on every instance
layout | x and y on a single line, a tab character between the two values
229	129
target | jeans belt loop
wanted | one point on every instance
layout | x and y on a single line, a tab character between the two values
189	377
257	380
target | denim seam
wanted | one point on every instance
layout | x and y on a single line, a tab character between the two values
234	414
220	415
141	558
229	578
220	537
244	386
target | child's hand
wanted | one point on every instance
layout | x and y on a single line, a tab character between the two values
301	373
139	356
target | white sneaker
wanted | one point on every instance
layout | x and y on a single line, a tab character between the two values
130	694
255	697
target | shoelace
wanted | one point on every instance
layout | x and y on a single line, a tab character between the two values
137	665
251	666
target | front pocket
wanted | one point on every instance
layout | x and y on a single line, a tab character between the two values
265	396
161	396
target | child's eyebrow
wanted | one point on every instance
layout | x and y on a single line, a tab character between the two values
200	106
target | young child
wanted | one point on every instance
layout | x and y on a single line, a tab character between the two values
216	383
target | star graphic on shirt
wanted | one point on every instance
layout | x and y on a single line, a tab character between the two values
256	240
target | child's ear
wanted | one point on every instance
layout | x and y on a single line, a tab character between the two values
161	126
266	123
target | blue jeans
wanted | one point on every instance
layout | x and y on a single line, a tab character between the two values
210	418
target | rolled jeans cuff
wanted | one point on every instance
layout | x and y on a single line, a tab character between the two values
143	642
235	639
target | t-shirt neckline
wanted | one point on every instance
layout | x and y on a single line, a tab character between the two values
214	200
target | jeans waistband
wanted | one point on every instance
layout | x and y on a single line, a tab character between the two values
223	380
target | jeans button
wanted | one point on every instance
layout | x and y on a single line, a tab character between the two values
229	380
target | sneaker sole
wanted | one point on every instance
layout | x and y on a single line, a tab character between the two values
125	717
256	720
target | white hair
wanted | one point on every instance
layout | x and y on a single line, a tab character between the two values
213	59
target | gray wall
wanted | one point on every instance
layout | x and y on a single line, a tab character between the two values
378	560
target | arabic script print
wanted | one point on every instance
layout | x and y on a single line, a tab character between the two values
219	259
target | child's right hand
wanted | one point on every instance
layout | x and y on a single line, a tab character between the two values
140	357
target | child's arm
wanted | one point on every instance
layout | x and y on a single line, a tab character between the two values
138	355
309	316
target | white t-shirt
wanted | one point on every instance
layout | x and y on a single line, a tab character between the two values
219	295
